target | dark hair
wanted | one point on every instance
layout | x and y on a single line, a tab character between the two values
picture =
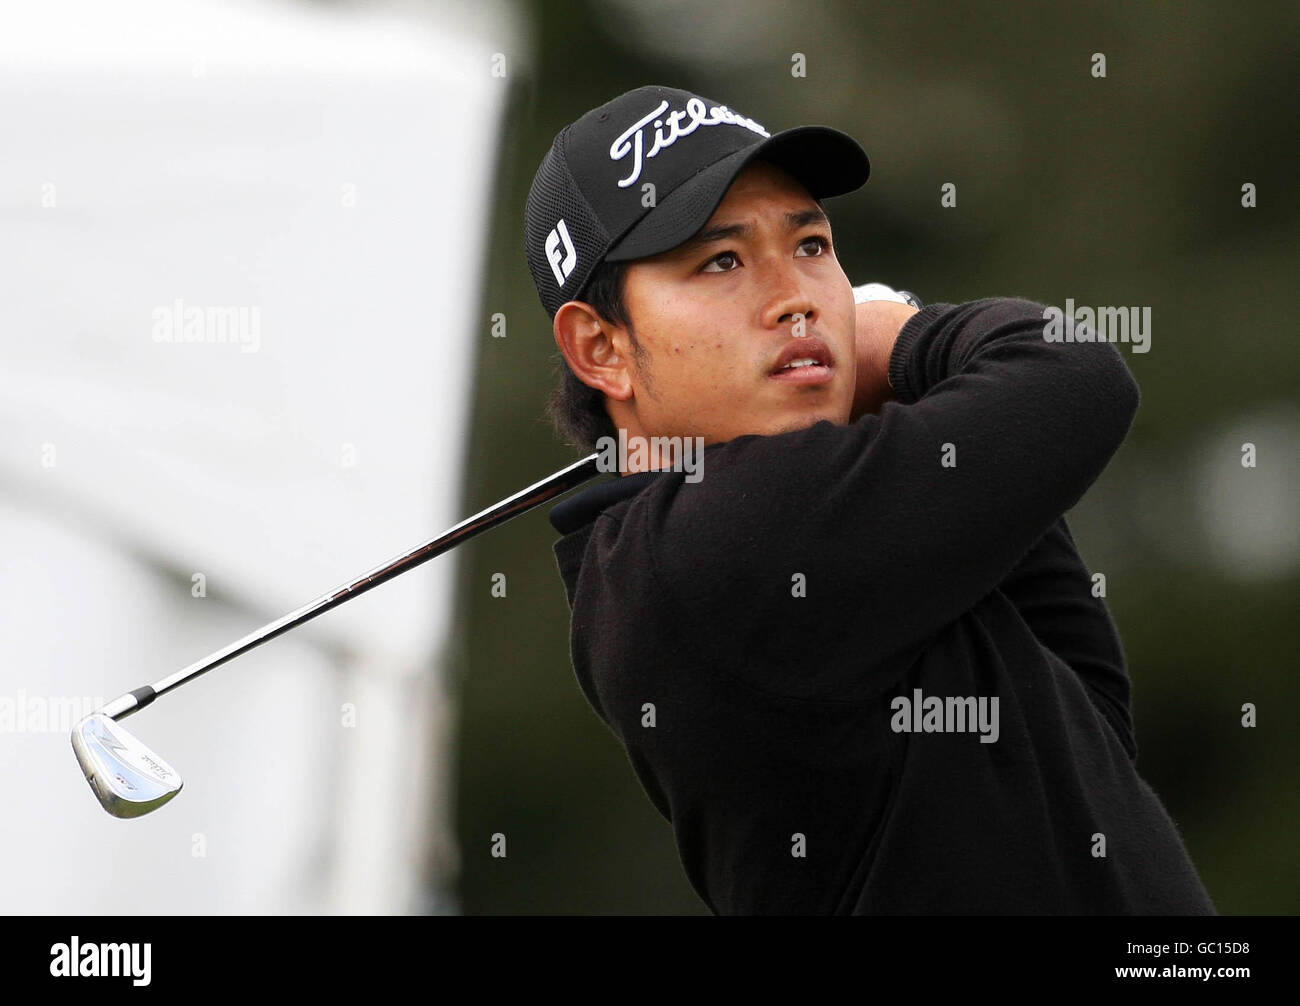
577	410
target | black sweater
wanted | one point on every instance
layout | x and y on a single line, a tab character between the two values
760	707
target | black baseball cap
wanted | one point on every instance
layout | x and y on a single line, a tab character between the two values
644	172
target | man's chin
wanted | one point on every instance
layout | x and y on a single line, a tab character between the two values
802	422
788	422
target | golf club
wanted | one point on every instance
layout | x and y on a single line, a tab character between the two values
129	779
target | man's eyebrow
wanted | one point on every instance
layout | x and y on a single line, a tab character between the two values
794	220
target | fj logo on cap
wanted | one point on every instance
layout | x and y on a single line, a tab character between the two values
560	252
631	141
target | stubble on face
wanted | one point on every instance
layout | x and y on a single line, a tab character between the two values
641	363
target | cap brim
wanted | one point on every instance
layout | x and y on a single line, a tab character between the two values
825	161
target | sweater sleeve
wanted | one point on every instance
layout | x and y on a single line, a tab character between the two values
1052	589
868	538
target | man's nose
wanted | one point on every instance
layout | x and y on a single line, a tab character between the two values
788	301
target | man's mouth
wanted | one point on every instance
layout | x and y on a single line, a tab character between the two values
804	361
804	371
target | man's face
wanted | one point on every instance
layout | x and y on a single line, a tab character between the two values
716	317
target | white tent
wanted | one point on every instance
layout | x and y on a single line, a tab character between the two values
241	249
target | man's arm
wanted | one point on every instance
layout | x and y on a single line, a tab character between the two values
898	522
1052	589
1050	586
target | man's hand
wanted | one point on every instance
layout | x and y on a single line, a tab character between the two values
878	324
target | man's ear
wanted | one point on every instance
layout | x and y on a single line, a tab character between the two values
588	345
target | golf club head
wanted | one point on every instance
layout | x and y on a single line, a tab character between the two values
128	779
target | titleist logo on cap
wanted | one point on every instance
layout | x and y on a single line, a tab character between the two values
630	141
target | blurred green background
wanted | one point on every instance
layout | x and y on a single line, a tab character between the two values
1119	191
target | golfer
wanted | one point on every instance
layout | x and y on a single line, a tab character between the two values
851	650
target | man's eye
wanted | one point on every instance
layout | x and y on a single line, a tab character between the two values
822	244
716	258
